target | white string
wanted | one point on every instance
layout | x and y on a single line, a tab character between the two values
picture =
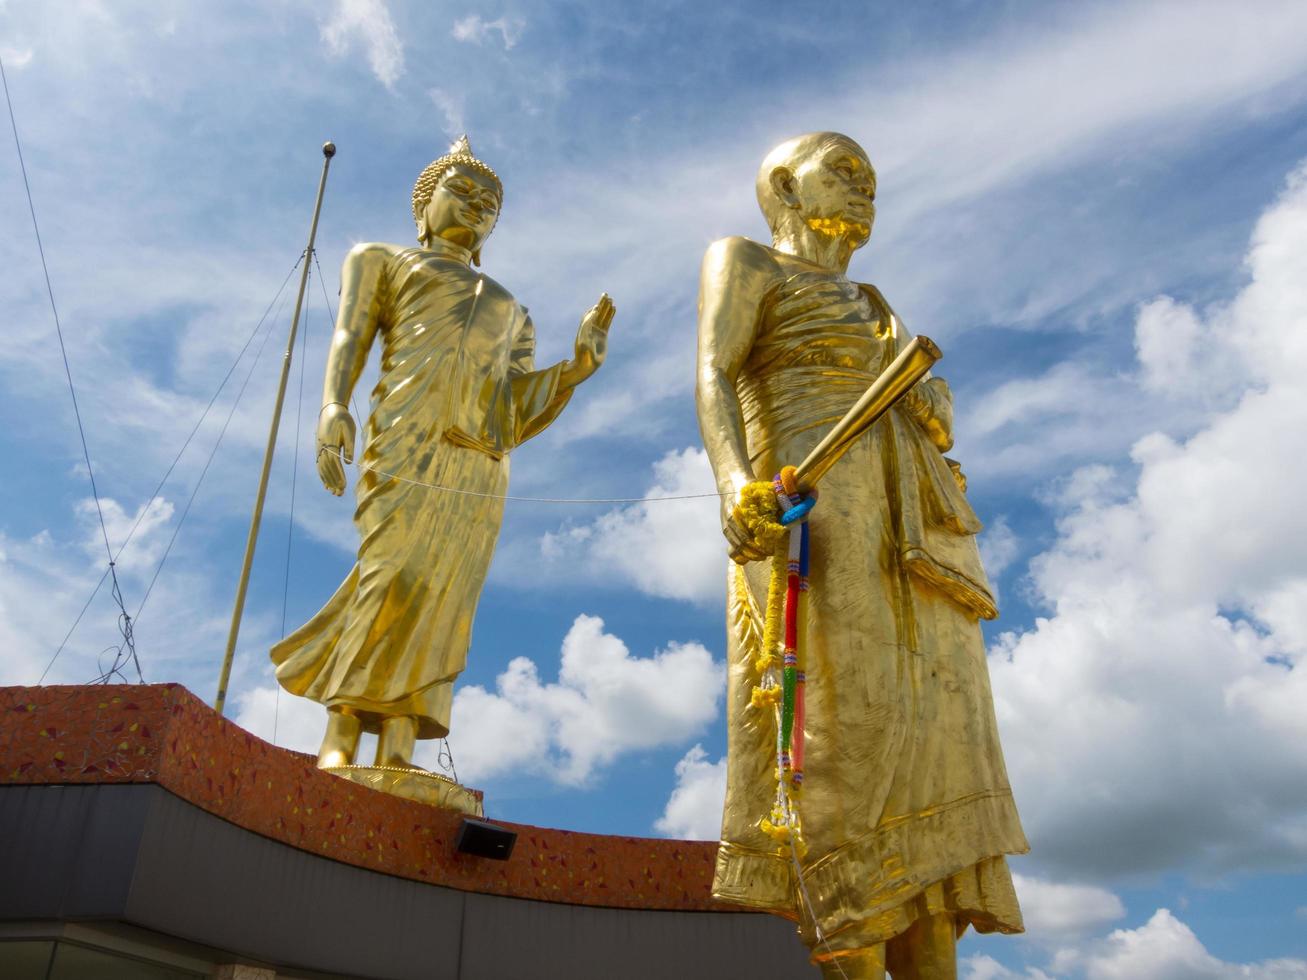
534	500
812	911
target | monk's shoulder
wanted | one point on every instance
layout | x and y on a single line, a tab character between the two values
878	300
739	254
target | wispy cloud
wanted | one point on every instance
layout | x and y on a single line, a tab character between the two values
16	59
367	22
1004	112
475	29
45	580
999	547
451	109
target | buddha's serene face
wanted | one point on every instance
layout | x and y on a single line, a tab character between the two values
463	208
835	187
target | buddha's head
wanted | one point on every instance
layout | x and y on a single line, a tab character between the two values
457	198
821	181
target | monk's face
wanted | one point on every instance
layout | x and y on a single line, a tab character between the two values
834	191
463	208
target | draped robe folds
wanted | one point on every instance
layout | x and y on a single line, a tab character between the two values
457	391
906	808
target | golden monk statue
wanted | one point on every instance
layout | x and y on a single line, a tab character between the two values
905	808
458	391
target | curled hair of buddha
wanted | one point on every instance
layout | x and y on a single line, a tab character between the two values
460	152
791	155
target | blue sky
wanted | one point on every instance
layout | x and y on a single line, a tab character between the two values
1098	210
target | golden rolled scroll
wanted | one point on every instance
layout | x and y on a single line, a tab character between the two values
912	364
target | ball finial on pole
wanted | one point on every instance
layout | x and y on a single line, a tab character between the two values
328	149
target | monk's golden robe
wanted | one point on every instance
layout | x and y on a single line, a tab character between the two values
906	808
456	393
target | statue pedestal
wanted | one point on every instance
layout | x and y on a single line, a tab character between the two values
414	784
210	809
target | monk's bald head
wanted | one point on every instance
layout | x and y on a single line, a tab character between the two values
779	190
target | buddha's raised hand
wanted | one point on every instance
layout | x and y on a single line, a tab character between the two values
591	342
335	437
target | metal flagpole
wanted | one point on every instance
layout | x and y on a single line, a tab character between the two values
328	151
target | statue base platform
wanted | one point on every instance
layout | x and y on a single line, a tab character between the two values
138	825
419	785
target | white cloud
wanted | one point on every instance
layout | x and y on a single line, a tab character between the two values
45	581
1165	948
1056	910
16	59
474	29
694	810
1045	423
281	718
147	543
673	549
982	967
1021	400
1179	353
999	547
451	108
604	704
368	22
1154	718
37	604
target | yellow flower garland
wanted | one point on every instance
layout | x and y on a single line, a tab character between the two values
758	513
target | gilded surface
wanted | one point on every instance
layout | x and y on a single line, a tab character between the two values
414	784
458	390
906	807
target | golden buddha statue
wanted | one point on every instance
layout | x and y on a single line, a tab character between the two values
458	391
906	812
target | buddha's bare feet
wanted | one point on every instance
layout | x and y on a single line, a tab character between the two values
396	741
341	742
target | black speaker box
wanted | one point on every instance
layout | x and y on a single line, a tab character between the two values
485	839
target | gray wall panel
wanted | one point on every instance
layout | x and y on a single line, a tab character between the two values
513	939
68	851
210	881
139	855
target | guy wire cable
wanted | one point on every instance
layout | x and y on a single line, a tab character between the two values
212	453
176	459
294	480
535	500
124	621
294	470
106	676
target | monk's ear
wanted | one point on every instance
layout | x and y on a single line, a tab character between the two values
785	187
423	234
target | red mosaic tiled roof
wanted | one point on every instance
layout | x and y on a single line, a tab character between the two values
163	734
